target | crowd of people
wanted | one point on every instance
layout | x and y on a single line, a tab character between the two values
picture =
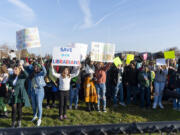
29	81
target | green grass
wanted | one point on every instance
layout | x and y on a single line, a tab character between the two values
120	114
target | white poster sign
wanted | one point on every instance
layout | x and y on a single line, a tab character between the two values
102	52
82	47
27	38
66	56
160	62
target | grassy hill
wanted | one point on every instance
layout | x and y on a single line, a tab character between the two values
82	117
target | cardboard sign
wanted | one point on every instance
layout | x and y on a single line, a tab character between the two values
129	58
117	61
27	38
102	52
169	55
83	49
66	56
160	62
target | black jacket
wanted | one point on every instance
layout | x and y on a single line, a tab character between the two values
130	76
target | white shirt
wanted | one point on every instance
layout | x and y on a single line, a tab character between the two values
64	83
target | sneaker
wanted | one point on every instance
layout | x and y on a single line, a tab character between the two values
47	107
154	107
61	118
161	106
6	114
38	122
123	104
104	110
65	116
34	119
13	124
19	124
98	110
70	107
76	107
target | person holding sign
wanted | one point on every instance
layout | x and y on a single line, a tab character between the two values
37	90
64	88
100	83
159	84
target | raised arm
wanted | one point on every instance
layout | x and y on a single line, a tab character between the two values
54	73
75	73
43	72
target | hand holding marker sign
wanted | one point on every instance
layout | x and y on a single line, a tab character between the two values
27	38
66	56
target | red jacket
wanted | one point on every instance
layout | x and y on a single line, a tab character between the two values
100	74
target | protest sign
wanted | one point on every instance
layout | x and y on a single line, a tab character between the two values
27	38
129	58
66	56
102	52
169	55
145	55
82	47
160	62
117	61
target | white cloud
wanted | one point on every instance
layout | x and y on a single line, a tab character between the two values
8	23
27	11
84	5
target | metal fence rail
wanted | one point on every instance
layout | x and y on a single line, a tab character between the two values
111	129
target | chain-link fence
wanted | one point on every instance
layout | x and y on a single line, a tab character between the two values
111	129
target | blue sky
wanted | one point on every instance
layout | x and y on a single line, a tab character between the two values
140	25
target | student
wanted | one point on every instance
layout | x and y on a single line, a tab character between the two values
64	87
131	81
100	83
159	84
37	91
19	95
3	89
118	73
91	98
145	80
74	91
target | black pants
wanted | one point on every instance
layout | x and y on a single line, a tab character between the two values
16	108
63	100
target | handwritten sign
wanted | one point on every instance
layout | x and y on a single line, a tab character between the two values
27	38
117	61
82	47
66	56
160	62
129	58
102	52
169	55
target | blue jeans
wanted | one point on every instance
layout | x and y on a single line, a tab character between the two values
159	88
101	92
37	97
176	102
74	95
118	88
145	96
131	90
